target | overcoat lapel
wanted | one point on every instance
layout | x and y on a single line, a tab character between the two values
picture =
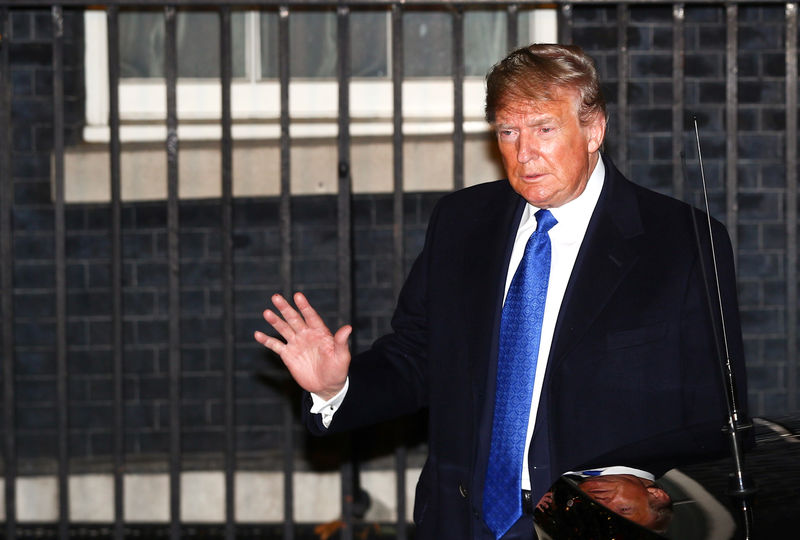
485	270
605	257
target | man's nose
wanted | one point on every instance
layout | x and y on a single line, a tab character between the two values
527	148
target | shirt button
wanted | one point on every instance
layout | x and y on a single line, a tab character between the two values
463	491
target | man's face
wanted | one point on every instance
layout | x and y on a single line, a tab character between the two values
627	495
547	154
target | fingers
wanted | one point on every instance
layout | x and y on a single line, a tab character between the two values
275	345
310	315
289	314
279	324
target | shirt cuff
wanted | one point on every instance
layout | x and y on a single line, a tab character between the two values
328	408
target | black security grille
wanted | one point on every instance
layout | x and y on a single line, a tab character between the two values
617	66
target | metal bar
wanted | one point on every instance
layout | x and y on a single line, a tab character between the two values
791	207
623	74
565	23
398	228
512	26
62	374
349	469
173	254
352	3
285	225
7	279
112	17
732	127
458	97
226	76
678	98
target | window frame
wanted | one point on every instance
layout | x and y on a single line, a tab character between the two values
427	102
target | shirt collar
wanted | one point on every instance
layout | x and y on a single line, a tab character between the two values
573	217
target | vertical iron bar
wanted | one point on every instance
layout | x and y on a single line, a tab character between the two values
349	469
512	26
285	217
623	73
732	128
173	254
60	278
565	24
400	454
458	97
678	99
791	205
226	75
7	289
112	17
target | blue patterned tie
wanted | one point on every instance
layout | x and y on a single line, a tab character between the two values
520	330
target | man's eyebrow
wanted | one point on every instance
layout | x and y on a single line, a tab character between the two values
539	120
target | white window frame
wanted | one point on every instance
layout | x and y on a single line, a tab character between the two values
427	103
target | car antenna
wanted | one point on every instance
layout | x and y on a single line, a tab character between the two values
741	487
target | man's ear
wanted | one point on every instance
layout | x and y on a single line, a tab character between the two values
655	492
596	131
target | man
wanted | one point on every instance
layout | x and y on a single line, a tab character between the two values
594	346
638	499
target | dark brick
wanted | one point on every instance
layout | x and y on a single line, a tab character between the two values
34	393
34	363
140	416
88	246
773	119
90	416
30	54
90	362
749	293
651	65
760	206
775	293
152	332
595	38
100	332
152	274
34	305
30	191
34	275
774	236
651	120
21	25
34	333
761	91
758	321
712	92
763	146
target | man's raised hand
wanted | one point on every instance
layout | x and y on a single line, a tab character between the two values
317	360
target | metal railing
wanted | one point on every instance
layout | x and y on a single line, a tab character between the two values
344	197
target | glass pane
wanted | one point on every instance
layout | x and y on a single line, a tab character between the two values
198	45
427	42
484	40
369	45
269	45
142	44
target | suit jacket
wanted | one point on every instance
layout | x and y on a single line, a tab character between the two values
632	376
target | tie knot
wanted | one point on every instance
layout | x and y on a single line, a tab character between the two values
544	220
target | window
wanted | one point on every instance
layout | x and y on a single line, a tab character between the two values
427	86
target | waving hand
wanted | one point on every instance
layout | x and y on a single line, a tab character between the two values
317	359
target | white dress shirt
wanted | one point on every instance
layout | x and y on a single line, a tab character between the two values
565	241
566	237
